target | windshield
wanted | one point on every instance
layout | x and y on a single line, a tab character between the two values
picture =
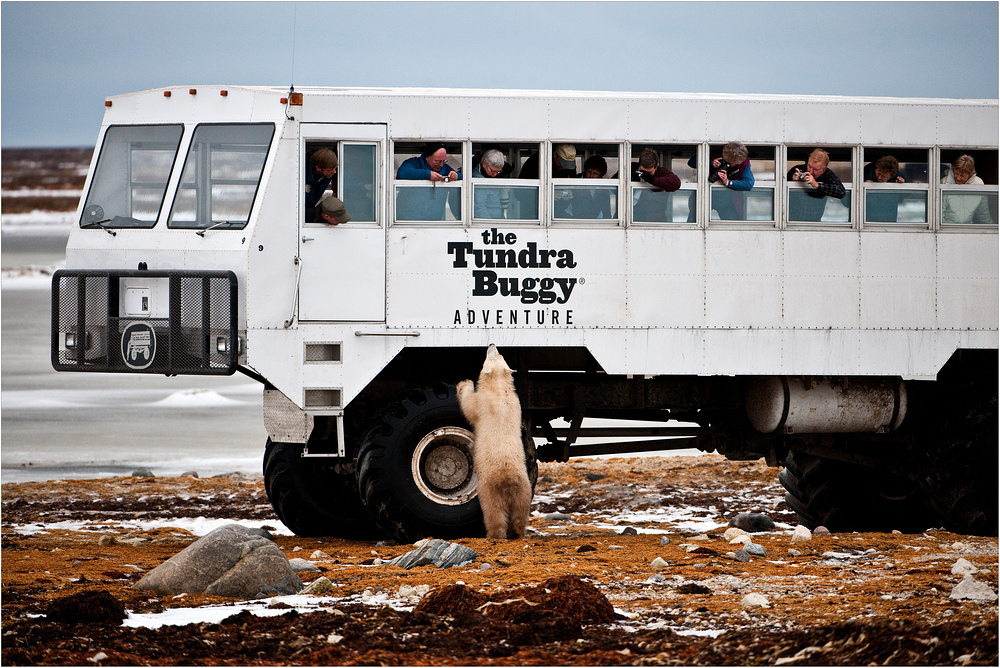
221	175
131	176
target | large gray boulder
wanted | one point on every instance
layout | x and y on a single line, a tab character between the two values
231	561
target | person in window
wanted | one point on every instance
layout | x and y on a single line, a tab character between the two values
651	207
732	171
594	203
964	207
882	207
563	163
331	211
488	201
423	203
319	175
822	182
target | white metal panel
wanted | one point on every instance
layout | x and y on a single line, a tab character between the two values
512	119
748	121
827	123
666	120
428	118
665	283
967	291
897	280
743	279
821	286
603	119
898	125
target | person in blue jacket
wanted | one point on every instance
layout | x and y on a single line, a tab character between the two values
423	203
733	172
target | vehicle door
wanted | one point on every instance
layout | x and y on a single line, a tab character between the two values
343	266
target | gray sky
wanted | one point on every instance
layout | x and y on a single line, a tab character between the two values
61	59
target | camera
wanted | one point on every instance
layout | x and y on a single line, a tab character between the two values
713	174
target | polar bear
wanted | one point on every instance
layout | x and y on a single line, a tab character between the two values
494	411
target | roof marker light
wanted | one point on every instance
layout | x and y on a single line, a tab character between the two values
223	93
295	99
107	103
193	91
283	100
166	93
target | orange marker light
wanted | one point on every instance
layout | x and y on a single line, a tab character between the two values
107	103
223	93
295	99
166	93
283	100
193	91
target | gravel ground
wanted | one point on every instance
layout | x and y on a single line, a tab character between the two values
842	599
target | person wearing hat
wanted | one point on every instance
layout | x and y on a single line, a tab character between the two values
563	163
331	210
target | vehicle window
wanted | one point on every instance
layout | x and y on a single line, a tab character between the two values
358	175
651	202
499	190
820	205
131	177
888	177
585	181
749	196
221	174
428	183
968	187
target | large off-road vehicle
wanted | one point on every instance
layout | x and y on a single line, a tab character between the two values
848	336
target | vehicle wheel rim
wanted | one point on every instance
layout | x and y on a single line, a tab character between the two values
442	466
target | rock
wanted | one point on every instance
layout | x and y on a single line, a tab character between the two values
320	585
302	565
742	539
741	555
410	592
659	563
320	554
701	536
586	548
629	531
754	600
792	552
143	472
755	549
970	589
557	517
693	588
664	540
752	522
485	566
699	549
188	474
733	532
232	561
106	540
440	553
97	658
801	534
963	567
821	531
594	477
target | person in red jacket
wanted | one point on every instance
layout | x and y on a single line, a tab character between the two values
651	206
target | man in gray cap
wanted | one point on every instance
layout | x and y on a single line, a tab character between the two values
331	210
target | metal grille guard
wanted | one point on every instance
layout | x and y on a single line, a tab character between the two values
163	322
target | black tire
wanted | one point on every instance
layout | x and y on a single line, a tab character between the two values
311	499
958	453
849	497
415	468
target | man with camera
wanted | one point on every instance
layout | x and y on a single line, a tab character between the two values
822	182
651	206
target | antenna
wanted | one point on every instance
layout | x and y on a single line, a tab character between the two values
291	87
